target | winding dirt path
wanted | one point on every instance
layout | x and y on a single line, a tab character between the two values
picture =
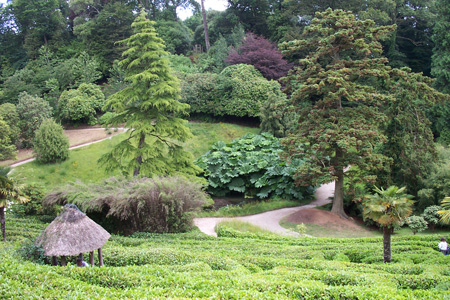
270	220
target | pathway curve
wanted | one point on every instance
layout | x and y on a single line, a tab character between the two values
270	220
70	148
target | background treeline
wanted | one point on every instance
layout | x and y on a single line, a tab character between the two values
58	60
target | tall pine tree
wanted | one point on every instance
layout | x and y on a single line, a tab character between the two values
150	109
334	90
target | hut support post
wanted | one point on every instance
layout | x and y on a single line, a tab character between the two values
91	258
63	261
54	261
100	257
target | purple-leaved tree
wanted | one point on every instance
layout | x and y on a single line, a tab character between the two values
262	54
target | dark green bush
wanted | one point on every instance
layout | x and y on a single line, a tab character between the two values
33	207
239	90
31	252
50	143
162	204
251	165
81	105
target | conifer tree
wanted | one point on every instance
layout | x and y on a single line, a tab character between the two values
334	90
148	106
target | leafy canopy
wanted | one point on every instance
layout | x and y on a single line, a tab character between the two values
334	91
388	207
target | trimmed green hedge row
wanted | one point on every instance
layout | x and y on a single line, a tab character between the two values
233	266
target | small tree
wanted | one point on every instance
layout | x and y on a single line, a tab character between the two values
50	143
416	224
32	111
388	208
262	54
9	192
431	215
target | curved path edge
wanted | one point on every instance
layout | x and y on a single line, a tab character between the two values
269	220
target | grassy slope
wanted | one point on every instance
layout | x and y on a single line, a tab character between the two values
82	163
233	266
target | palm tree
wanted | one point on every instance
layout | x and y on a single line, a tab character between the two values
388	208
8	192
445	214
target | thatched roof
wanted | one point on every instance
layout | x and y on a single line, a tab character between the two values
72	233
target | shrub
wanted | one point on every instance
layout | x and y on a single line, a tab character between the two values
81	105
416	224
8	112
162	204
31	252
35	194
7	148
251	165
50	143
249	90
32	111
238	90
431	215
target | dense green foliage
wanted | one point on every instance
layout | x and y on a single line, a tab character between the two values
409	143
416	224
7	148
50	144
233	266
138	205
252	166
81	105
431	215
32	112
8	112
334	92
239	90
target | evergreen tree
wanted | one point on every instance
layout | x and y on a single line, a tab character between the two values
148	106
335	94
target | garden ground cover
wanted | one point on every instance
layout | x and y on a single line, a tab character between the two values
233	266
82	163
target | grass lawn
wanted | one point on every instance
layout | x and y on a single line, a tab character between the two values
82	163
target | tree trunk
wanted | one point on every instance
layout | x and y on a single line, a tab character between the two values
386	244
338	201
2	221
139	158
205	26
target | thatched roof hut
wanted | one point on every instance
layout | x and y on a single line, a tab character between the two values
72	233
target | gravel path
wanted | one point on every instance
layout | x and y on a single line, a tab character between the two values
270	220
